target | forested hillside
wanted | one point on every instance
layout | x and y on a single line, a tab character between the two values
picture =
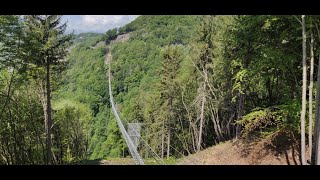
196	81
192	81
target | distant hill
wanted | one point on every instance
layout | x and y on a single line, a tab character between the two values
135	59
84	36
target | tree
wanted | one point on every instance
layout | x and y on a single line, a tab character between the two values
311	94
46	46
110	35
71	132
203	64
304	90
10	39
315	157
168	89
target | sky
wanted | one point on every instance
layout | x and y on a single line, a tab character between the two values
95	23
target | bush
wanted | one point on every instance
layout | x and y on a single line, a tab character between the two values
267	121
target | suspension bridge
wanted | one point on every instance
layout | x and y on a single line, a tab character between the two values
132	148
138	160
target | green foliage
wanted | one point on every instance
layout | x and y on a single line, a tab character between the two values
10	40
244	62
139	67
114	144
259	120
45	42
85	77
85	84
72	124
247	66
163	30
266	121
92	37
28	45
110	35
21	125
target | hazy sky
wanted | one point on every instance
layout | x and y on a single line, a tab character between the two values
95	23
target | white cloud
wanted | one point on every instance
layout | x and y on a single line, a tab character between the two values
97	23
102	20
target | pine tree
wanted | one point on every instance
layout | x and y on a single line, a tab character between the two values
10	40
45	47
168	88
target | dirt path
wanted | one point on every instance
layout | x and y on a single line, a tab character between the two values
108	58
115	161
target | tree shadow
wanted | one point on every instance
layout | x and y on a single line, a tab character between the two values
90	162
282	143
293	155
287	157
278	144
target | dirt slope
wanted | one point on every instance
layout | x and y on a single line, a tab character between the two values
239	153
227	153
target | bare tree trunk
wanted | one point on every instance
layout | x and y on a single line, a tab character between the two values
304	92
311	96
215	125
215	120
315	150
239	114
192	128
218	124
202	116
193	139
169	128
162	142
47	113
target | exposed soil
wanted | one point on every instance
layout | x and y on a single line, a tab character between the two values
121	38
242	153
115	161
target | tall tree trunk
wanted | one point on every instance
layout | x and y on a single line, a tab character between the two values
47	113
201	115
215	120
269	89
169	128
215	125
315	150
239	114
192	128
311	96
162	142
304	92
218	124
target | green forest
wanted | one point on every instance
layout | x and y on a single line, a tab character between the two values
193	82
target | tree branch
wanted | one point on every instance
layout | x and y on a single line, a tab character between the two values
297	19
